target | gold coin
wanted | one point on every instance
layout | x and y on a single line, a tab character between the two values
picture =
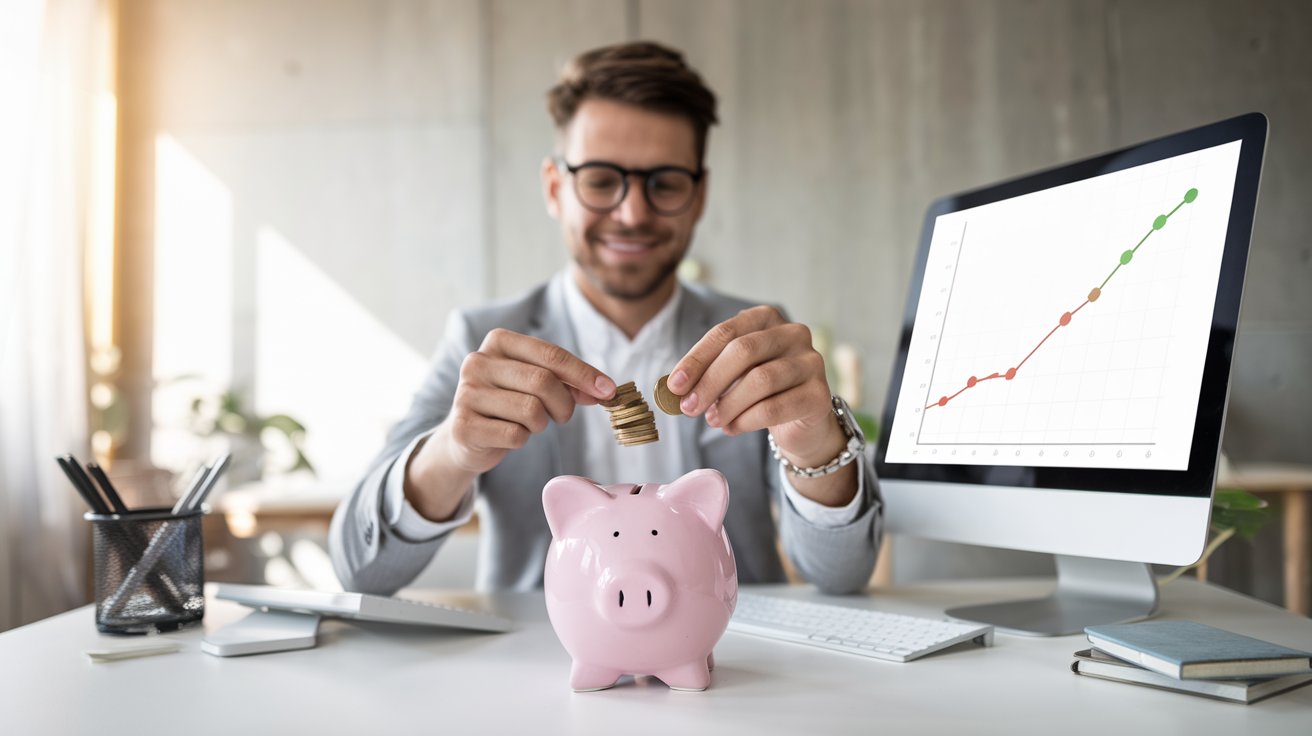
620	391
637	405
626	404
621	416
640	440
622	400
626	434
633	443
647	417
666	399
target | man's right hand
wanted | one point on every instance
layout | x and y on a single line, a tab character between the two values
509	389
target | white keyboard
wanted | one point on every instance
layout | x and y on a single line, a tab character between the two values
889	636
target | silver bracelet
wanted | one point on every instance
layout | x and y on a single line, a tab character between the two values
856	443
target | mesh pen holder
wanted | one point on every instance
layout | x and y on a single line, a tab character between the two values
149	570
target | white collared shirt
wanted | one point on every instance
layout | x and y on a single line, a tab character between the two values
651	354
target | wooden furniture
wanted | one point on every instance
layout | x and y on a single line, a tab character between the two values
1291	485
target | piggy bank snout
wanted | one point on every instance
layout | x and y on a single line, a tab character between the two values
634	595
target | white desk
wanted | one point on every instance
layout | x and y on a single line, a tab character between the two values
374	679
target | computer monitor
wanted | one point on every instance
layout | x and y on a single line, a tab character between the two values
1062	375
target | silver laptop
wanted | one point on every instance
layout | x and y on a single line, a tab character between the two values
288	619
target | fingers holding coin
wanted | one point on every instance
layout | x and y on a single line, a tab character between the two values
509	389
753	371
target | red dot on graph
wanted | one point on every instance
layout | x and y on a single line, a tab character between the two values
943	401
1065	319
971	382
1011	373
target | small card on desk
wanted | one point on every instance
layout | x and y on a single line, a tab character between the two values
1190	650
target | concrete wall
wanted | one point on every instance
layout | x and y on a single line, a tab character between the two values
393	147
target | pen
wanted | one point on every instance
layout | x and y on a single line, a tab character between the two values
193	488
208	485
92	499
101	506
111	493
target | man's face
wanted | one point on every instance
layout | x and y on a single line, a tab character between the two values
631	251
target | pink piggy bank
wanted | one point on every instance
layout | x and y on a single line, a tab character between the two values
640	579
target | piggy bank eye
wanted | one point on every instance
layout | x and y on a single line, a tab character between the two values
653	532
616	534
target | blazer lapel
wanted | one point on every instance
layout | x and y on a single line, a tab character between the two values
694	321
553	326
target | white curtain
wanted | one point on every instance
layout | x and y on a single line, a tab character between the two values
48	55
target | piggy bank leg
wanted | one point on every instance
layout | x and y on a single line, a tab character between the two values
586	677
710	662
692	676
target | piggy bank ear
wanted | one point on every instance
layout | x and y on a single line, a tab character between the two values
567	497
705	490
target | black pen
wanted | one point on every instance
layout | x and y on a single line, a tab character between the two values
101	505
115	501
92	499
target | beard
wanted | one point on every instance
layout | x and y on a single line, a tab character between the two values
632	281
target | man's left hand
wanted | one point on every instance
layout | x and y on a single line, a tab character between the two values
759	371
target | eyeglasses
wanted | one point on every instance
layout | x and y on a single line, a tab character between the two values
601	186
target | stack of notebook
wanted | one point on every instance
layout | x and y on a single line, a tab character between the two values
1193	658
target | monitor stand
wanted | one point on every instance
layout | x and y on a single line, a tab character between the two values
1089	591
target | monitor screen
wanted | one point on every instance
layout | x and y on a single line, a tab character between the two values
1073	329
1068	327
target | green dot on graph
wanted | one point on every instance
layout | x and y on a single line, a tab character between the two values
1160	222
1191	195
1126	256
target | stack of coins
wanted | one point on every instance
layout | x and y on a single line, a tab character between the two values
630	417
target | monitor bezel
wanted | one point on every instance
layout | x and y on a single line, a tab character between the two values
1198	478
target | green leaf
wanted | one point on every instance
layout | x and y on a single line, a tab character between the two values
1238	499
1234	508
302	463
285	424
869	426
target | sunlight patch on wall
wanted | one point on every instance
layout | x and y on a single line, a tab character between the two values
192	297
326	361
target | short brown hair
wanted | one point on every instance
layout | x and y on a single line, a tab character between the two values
641	73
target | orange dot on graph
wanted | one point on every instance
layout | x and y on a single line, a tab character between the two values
943	401
970	382
1093	295
1011	373
1065	319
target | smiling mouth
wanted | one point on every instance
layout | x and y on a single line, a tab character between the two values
627	246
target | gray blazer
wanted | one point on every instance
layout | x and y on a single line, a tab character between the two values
371	557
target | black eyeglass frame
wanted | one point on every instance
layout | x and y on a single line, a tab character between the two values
624	174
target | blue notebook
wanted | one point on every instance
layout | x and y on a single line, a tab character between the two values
1194	651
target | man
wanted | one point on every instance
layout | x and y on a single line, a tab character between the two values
510	400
